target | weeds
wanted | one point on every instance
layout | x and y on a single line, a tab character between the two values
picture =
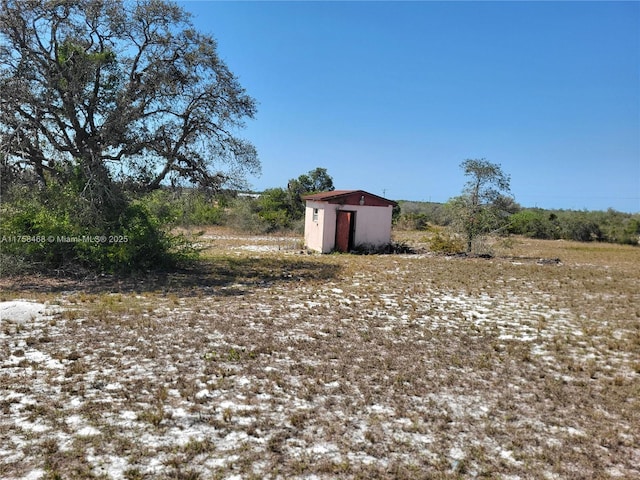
276	364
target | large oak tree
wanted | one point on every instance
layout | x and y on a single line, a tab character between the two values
108	93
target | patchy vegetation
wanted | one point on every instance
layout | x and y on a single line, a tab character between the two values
609	226
583	226
268	363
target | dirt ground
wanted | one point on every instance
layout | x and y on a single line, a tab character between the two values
268	362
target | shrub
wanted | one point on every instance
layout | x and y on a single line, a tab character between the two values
446	243
631	232
185	207
388	248
534	224
138	243
581	228
35	234
412	221
48	229
243	215
276	208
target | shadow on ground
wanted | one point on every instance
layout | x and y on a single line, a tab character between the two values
216	276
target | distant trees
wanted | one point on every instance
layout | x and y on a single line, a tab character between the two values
281	208
582	226
316	180
419	215
485	203
275	209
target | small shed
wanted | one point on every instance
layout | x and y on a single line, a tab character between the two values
343	219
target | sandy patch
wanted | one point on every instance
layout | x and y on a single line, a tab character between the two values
23	311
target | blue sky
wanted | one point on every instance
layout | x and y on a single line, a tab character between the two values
390	97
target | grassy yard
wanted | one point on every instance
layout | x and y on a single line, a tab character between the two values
265	362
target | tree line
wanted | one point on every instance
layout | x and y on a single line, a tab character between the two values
547	224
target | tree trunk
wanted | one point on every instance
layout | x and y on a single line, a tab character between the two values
103	197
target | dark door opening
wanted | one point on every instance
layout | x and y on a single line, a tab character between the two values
345	223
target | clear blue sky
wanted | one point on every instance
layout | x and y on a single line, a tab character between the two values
390	97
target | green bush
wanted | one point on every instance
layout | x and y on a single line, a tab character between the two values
534	224
243	215
274	206
446	243
412	221
185	207
48	229
631	232
581	228
424	212
271	212
33	231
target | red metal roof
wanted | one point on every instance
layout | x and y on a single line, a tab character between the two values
349	197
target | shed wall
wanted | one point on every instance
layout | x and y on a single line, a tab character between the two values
317	236
372	225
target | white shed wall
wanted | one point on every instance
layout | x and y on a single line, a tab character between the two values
372	225
320	235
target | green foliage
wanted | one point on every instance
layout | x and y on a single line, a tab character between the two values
484	205
48	229
275	209
446	243
138	242
114	91
617	227
412	221
607	226
583	226
535	224
474	222
186	207
317	180
104	90
243	214
27	228
631	232
417	215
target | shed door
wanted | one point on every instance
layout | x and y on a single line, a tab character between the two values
345	221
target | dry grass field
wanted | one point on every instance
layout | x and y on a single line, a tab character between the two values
269	363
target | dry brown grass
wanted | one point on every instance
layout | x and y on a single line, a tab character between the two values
267	363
